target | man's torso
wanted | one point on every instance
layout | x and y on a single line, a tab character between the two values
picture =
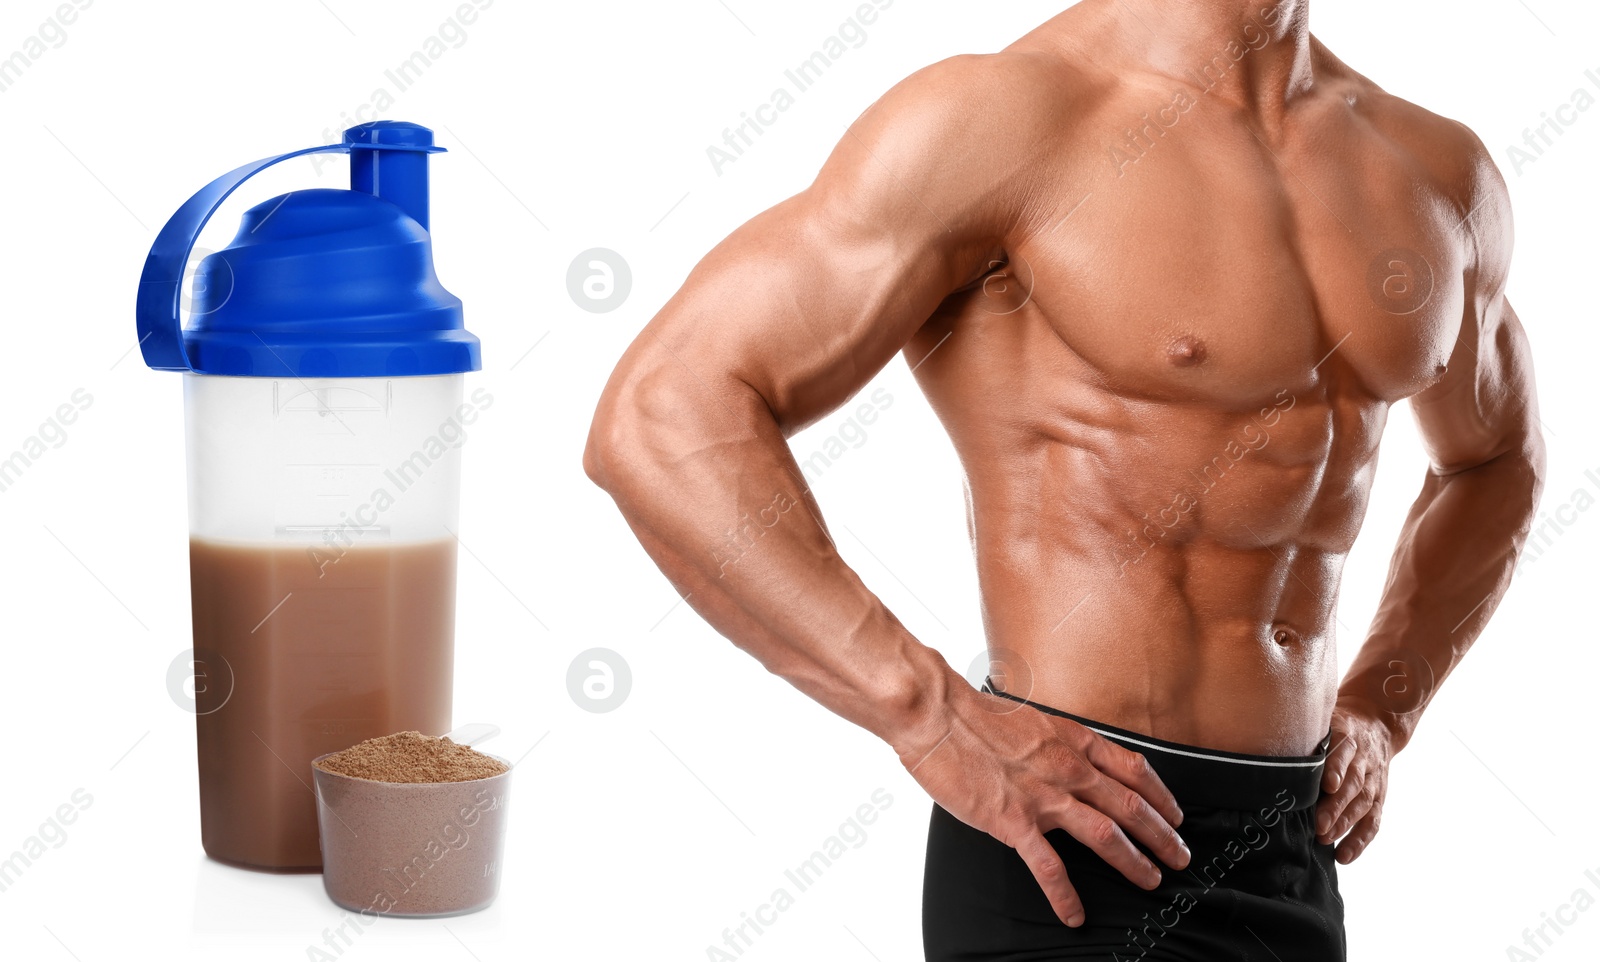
1168	401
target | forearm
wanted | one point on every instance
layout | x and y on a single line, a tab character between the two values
1453	563
706	481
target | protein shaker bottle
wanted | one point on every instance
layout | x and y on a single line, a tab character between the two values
324	406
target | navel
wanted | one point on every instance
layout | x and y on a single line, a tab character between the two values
1186	351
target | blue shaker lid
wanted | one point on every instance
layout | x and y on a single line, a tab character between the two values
317	283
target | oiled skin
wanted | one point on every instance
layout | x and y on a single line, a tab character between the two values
1124	471
1165	362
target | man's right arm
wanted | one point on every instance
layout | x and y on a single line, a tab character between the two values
780	324
777	326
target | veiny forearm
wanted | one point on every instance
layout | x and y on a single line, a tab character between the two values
1453	563
703	475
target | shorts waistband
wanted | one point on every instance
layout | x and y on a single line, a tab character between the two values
1208	776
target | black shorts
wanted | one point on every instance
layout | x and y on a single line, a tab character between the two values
1258	887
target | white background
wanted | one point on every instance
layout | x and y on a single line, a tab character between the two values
644	832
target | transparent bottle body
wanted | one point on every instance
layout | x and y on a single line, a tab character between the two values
322	569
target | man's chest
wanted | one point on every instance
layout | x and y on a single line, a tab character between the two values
1221	273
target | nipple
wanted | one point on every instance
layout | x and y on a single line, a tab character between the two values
1186	351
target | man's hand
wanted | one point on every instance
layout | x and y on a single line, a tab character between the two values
1355	779
1017	773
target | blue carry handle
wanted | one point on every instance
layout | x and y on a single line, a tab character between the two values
386	170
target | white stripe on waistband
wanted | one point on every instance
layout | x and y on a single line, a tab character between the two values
1201	755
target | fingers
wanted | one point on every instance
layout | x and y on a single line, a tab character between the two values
1352	814
1359	838
1336	768
1051	874
1356	810
1103	836
1133	770
1133	813
1333	810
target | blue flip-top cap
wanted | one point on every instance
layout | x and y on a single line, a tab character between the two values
318	283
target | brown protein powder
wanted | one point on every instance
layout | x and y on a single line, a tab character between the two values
412	757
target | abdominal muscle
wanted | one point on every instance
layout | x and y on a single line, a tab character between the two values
1171	569
1199	646
1180	582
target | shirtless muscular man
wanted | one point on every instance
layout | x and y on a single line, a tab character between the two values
1162	267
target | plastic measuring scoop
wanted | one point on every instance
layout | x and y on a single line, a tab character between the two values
414	849
473	733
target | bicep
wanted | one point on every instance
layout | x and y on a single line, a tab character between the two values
1485	405
804	309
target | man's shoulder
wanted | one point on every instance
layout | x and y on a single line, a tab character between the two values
1455	159
1467	177
1008	96
972	133
1458	168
